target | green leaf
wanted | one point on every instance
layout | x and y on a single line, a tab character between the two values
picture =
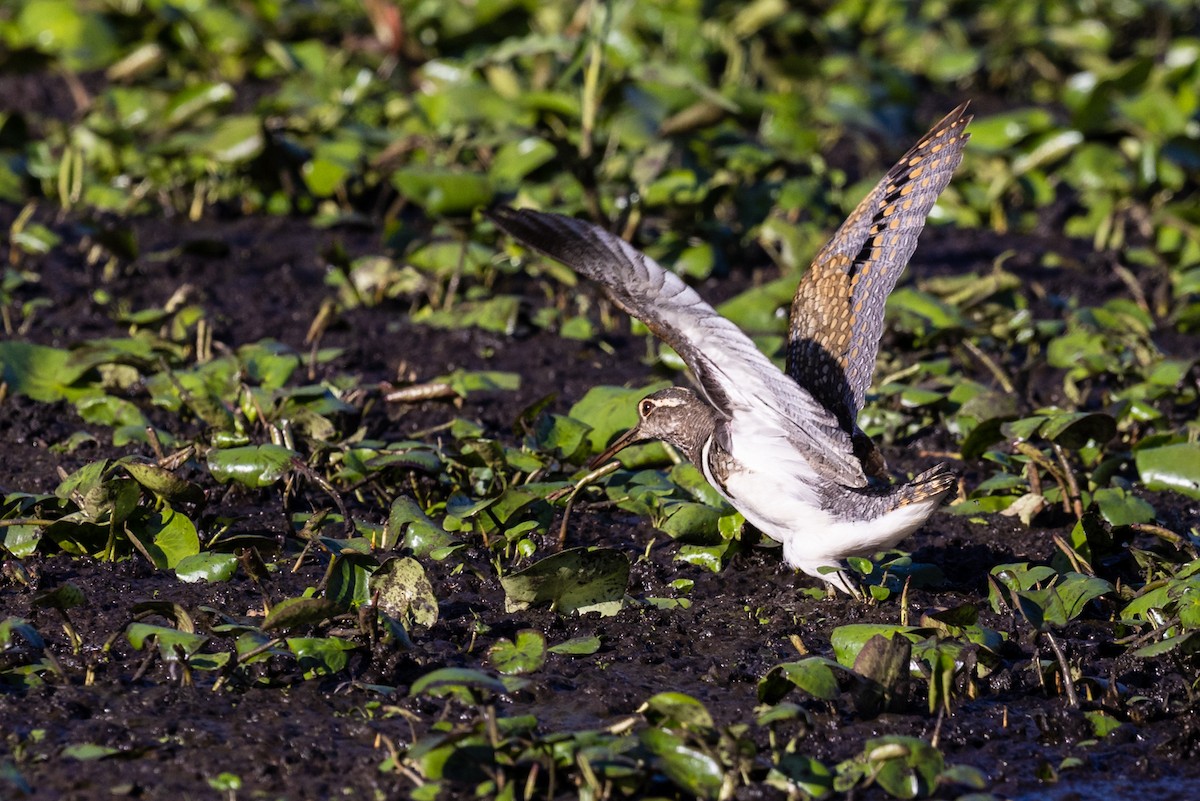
1074	430
42	373
610	411
321	656
168	537
525	654
848	640
1172	467
813	675
904	766
575	580
516	159
442	192
675	709
402	587
296	612
253	466
421	534
446	680
170	641
577	646
234	140
692	771
88	752
206	566
64	596
464	382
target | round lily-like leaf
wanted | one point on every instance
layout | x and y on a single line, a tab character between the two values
447	680
1174	467
252	466
296	612
575	580
813	675
207	566
693	771
402	587
525	654
577	646
848	640
166	537
609	411
170	641
673	709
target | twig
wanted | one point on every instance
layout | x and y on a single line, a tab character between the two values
990	365
1068	682
1072	484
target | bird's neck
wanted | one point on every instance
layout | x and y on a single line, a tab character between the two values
697	422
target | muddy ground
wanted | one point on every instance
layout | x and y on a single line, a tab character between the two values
321	739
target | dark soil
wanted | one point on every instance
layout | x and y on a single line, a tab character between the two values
288	738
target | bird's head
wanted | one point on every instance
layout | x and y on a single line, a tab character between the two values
672	415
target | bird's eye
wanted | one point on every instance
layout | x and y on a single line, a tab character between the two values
647	407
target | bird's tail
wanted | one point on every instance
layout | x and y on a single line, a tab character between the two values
934	484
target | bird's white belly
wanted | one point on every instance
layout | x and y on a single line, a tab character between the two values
788	511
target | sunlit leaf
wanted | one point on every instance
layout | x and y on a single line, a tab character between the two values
524	654
402	588
575	580
252	466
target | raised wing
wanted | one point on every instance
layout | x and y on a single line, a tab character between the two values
736	378
837	314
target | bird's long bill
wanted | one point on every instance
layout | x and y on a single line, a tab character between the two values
624	441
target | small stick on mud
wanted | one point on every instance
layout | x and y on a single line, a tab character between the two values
1064	669
572	492
320	481
1072	484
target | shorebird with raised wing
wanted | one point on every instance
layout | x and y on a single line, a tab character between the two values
783	448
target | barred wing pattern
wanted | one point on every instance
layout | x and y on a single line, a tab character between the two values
735	377
837	313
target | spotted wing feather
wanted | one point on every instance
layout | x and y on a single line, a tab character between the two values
837	313
736	378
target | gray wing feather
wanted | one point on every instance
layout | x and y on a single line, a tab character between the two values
733	374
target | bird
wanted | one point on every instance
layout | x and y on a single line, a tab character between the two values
783	447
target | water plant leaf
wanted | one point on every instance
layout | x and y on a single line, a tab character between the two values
814	675
848	640
206	566
575	580
402	588
1074	429
904	766
673	710
293	613
444	681
609	411
1174	467
577	646
421	534
87	752
39	372
65	596
252	466
171	641
523	654
443	192
321	656
167	536
691	770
